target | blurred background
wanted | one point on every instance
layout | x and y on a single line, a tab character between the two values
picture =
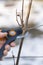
33	43
8	11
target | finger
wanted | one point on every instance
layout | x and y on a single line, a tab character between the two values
7	47
0	30
5	52
2	42
12	44
3	34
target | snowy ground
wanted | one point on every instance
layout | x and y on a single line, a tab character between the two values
31	46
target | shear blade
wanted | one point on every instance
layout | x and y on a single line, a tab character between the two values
19	37
22	36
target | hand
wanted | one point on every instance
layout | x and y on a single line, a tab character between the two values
3	40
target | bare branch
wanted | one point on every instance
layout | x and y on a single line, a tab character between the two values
22	12
17	62
17	19
23	26
13	57
22	8
20	18
28	13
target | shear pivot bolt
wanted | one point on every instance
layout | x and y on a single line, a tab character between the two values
12	33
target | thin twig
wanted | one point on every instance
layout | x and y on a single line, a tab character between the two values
28	13
17	62
21	19
30	28
17	19
22	13
13	57
21	43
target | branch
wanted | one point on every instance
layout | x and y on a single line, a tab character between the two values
28	13
20	18
21	43
22	13
17	62
17	19
22	24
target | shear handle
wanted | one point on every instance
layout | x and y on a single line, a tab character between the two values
10	39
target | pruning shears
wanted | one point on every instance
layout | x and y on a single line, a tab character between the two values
11	36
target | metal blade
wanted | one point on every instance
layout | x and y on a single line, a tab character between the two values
21	36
